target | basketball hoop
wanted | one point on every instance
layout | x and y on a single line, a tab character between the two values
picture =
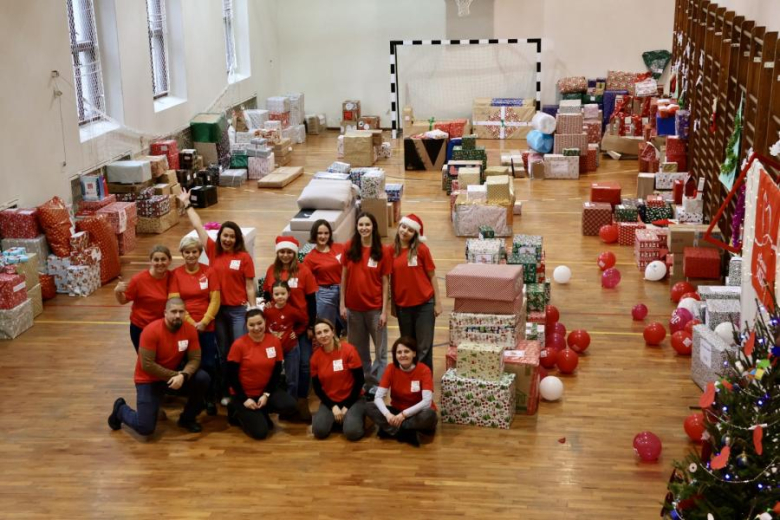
463	7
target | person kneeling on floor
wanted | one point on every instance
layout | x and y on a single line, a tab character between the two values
163	345
411	409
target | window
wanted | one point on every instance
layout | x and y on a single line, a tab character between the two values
230	37
158	33
88	77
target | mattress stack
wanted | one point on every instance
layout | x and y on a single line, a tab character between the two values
328	199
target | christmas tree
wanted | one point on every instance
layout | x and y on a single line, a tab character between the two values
737	474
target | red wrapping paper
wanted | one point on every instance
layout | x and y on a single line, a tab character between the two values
19	223
485	282
489	306
54	218
48	288
627	232
168	148
701	262
595	215
284	117
675	146
79	241
13	290
593	130
103	237
605	192
127	240
592	159
677	191
655	201
89	207
536	317
120	214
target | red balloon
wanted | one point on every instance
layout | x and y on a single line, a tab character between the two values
555	342
679	318
654	333
607	259
556	328
693	295
639	312
567	361
689	326
679	289
578	340
609	233
648	446
542	373
551	315
682	342
610	278
695	426
548	357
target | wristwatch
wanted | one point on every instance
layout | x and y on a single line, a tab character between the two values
188	206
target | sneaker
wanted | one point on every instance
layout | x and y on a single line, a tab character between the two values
225	401
190	426
211	408
113	420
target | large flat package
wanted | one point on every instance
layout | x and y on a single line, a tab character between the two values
280	177
341	233
305	218
327	194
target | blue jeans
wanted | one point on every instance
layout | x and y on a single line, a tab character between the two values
135	336
292	362
418	322
150	395
230	325
304	374
328	304
209	361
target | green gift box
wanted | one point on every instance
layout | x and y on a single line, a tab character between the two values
529	263
239	162
486	232
459	153
589	99
469	142
625	213
571	152
208	128
572	96
536	296
527	244
654	214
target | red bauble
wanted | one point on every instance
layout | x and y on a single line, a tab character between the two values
551	315
695	426
578	340
679	289
654	333
567	361
548	357
555	342
682	343
606	260
639	312
689	326
693	295
609	233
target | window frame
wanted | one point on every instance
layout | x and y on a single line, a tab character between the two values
89	108
231	55
158	33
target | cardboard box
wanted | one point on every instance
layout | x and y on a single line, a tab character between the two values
378	208
626	146
690	235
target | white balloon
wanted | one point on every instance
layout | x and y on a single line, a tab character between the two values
551	388
562	274
726	332
689	304
544	122
655	271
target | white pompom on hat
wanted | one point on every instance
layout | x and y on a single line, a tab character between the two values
414	222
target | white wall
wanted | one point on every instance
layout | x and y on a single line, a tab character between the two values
766	13
34	38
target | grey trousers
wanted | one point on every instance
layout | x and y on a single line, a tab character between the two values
362	328
424	421
323	421
418	322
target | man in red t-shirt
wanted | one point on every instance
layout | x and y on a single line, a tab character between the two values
163	345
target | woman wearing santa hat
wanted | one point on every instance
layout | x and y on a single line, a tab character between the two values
303	290
363	300
415	288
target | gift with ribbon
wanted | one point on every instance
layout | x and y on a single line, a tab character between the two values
502	122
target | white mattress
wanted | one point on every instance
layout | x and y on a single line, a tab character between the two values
341	233
304	223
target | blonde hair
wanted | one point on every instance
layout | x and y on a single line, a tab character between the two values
189	241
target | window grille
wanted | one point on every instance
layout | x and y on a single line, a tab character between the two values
87	73
230	37
158	35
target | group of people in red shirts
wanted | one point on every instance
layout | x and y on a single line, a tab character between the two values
198	330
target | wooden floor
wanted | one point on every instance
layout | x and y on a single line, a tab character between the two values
573	460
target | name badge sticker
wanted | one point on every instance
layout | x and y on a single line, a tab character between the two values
412	262
235	265
293	283
183	344
415	386
338	365
270	352
372	263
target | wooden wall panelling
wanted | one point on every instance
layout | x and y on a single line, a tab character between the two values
765	78
754	64
773	123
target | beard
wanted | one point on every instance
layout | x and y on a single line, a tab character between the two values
175	324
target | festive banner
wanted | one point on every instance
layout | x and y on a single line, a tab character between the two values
764	246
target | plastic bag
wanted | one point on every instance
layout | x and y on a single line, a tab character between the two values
542	143
656	61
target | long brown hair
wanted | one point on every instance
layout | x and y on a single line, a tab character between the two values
355	252
414	243
292	272
239	246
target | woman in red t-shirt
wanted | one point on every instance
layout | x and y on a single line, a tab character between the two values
415	288
364	295
254	369
324	261
148	290
198	286
410	384
235	270
337	379
303	290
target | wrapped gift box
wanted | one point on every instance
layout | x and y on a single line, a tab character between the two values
668	167
297	108
19	223
469	177
469	142
653	214
451	357
593	131
690	235
13	290
215	153
675	147
528	244
592	159
627	232
719	292
156	206
233	177
528	262
259	167
735	271
372	184
718	311
576	140
478	306
316	123
505	336
595	215
477	154
476	402
37	245
488	282
624	213
394	191
502	122
534	331
157	163
484	251
499	189
200	197
350	110
709	356
121	215
467	217
701	262
655	201
277	104
48	287
424	154
282	117
665	180
693	205
536	297
27	267
496	171
127	239
208	128
16	320
570	106
523	362
569	124
157	225
605	192
687	217
129	172
560	167
480	361
170	149
36	298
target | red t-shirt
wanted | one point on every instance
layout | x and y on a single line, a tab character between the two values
406	387
169	347
232	271
334	370
300	287
364	279
256	360
411	284
326	267
148	295
286	320
195	289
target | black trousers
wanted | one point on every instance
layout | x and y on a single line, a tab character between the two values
424	421
257	423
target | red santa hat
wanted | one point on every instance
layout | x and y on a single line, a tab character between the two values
287	243
414	222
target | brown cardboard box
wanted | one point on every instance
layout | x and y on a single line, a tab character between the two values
348	126
645	185
162	189
159	164
690	235
359	149
537	170
114	187
283	146
175	189
169	177
376	135
378	208
627	146
368	122
391	215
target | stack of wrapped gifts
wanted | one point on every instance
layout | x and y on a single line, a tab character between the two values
210	138
18	261
153	213
316	124
79	273
350	113
709	356
260	158
123	217
373	198
169	148
450	174
472	209
648	247
682	236
16	308
502	118
297	117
